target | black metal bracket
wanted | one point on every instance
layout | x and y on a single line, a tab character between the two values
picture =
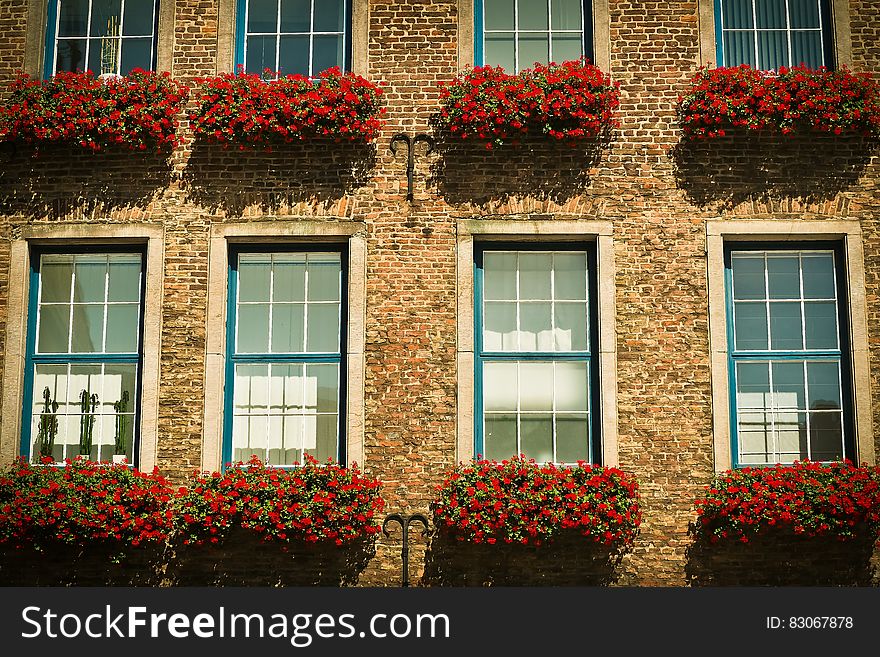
405	521
410	155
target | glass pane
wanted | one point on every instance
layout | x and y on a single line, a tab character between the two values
791	436
252	388
122	328
323	328
136	53
71	55
292	438
771	14
262	15
323	281
499	437
328	53
253	328
786	332
289	282
536	437
119	404
788	385
54	324
73	16
572	438
55	276
818	277
566	48
498	14
571	387
125	280
253	280
533	15
750	326
274	444
49	393
739	48
533	49
500	52
753	385
755	437
84	388
571	327
772	50
88	329
325	379
536	386
534	275
821	324
748	278
737	14
329	16
823	381
89	278
287	327
803	13
566	14
570	276
499	331
783	277
500	386
296	16
806	48
826	437
535	331
499	276
294	58
327	442
260	55
138	18
105	17
285	388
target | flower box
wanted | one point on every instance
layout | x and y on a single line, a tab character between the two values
795	100
571	101
134	112
246	110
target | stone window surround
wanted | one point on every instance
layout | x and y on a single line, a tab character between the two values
73	235
841	30
35	37
350	233
722	232
601	34
535	231
360	33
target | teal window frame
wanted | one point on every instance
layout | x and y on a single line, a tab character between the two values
32	359
825	29
241	37
590	356
50	47
233	357
480	34
841	354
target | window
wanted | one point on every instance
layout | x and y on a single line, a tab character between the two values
83	356
293	36
285	363
788	341
515	34
102	36
767	34
536	365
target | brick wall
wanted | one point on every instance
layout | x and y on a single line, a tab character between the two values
657	193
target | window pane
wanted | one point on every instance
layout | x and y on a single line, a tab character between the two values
122	328
499	332
251	388
786	332
55	277
105	17
533	49
821	324
73	16
499	51
753	385
296	16
536	437
535	331
138	19
536	386
325	379
498	14
136	53
783	277
499	276
289	282
328	53
71	55
323	328
500	437
566	48
500	386
803	13
118	404
329	16
755	436
260	55
571	327
566	14
818	277
89	278
88	329
253	280
770	14
534	275
791	436
823	381
806	48
572	438
772	50
748	278
571	387
750	326
570	276
125	279
788	386
533	15
294	58
323	281
737	14
739	48
93	61
253	328
287	327
262	16
285	388
826	437
326	446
